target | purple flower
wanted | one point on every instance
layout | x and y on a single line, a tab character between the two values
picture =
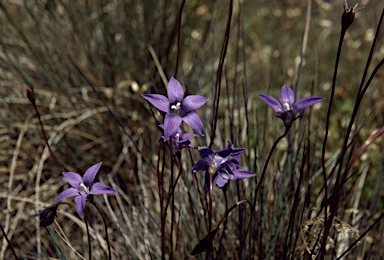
223	165
178	108
287	108
179	140
84	188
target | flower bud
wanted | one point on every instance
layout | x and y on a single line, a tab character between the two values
348	16
47	216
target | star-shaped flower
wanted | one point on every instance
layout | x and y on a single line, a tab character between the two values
84	188
223	165
287	108
178	108
179	140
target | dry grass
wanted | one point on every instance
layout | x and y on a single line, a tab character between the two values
110	42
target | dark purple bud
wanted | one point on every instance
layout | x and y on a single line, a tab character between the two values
348	16
30	94
47	216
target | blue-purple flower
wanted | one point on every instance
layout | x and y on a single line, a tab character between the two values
223	165
178	108
84	188
179	140
287	108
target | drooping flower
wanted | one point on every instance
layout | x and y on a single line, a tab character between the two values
223	165
287	108
179	140
178	108
84	188
47	216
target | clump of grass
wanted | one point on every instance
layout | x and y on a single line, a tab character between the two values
88	64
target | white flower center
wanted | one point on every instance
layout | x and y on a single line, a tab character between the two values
176	107
85	188
177	137
287	106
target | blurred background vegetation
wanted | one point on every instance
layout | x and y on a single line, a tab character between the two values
123	47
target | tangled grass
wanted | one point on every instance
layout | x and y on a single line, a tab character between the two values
89	62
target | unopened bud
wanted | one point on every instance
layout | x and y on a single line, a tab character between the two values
47	216
348	16
30	94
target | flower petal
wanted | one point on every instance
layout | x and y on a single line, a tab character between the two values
225	152
186	136
272	102
306	102
67	193
200	166
194	121
101	188
80	204
242	174
287	95
205	152
90	174
193	102
159	101
74	179
171	124
175	91
220	181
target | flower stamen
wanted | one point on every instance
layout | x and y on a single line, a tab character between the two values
85	188
177	137
176	107
287	107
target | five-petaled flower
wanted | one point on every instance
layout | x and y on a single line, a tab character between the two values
84	188
287	108
178	108
179	140
223	165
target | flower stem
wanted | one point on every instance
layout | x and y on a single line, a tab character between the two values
340	180
31	97
210	202
326	225
105	227
88	235
287	127
8	241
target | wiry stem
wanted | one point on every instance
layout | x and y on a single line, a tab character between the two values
178	37
105	227
32	99
88	235
287	127
340	179
8	241
332	94
219	73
